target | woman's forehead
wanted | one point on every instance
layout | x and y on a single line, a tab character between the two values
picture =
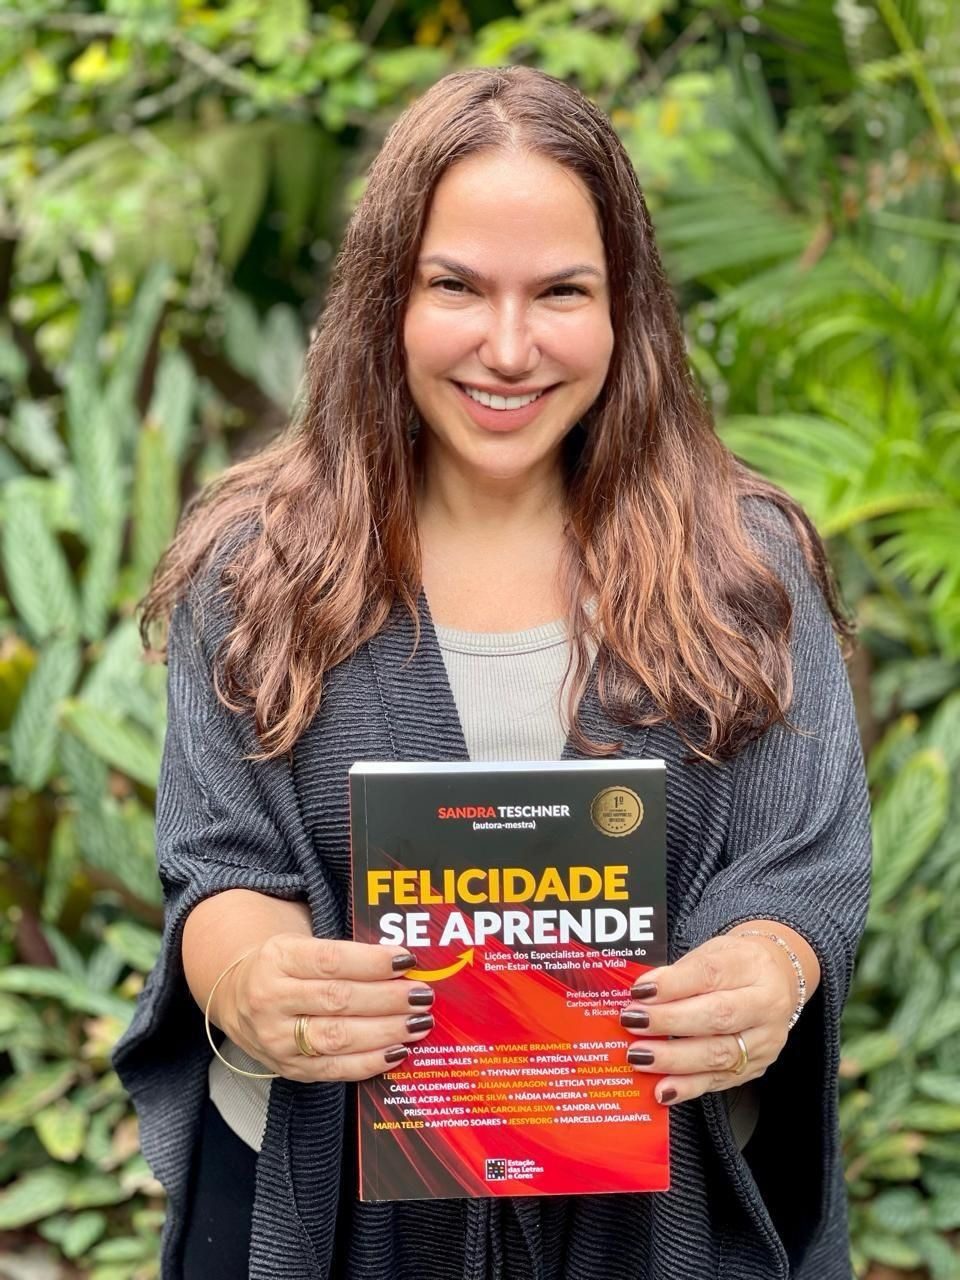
502	204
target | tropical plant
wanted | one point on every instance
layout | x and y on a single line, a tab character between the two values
901	1102
89	497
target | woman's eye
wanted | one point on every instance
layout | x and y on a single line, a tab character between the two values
445	285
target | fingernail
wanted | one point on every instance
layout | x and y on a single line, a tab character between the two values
423	1022
421	996
634	1018
644	991
403	962
668	1095
397	1054
638	1057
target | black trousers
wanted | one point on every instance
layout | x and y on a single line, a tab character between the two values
217	1238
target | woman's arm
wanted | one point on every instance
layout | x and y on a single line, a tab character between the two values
223	927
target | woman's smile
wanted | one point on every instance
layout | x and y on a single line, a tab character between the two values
499	413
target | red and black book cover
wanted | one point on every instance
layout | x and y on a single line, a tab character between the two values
533	896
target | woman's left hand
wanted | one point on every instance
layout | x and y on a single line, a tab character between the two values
727	986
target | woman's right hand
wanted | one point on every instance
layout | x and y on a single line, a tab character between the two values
362	1011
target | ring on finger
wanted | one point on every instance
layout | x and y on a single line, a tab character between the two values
744	1058
301	1037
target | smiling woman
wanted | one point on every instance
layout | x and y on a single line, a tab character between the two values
503	523
513	324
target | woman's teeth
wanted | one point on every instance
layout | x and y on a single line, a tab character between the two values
501	402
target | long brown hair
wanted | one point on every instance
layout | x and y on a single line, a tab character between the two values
689	616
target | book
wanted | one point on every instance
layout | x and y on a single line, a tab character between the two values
533	897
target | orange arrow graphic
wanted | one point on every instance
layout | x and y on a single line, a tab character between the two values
434	975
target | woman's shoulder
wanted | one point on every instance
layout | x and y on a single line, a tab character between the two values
206	601
766	522
784	537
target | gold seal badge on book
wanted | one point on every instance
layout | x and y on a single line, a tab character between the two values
616	811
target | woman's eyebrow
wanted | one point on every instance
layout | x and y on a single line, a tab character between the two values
555	277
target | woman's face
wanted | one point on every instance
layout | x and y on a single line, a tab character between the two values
484	314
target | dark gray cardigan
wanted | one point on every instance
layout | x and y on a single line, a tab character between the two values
782	832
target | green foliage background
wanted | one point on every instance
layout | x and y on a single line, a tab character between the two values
173	181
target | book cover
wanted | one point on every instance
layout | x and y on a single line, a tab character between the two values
533	896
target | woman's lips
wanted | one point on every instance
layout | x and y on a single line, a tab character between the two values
504	419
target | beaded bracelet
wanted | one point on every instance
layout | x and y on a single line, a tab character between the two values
794	960
254	1075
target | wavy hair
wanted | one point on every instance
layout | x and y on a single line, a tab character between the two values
695	628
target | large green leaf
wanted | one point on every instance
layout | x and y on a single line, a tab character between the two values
95	450
139	329
33	434
921	547
62	1128
282	350
86	773
34	731
279	28
867	1052
940	1087
174	396
241	333
38	576
907	819
62	864
155	503
124	746
21	1097
120	683
120	842
943	732
899	1210
22	1023
931	1117
94	1190
100	574
75	1233
74	994
136	945
233	162
36	1195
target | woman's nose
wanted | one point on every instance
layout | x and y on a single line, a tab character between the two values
509	345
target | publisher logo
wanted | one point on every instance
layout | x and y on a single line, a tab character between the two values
495	1170
616	811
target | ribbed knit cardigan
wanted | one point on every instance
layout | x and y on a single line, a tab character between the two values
781	832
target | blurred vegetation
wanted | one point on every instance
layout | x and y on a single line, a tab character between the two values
173	181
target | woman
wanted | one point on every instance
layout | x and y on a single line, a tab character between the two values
405	575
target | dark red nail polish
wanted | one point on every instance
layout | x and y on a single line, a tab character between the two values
420	996
668	1095
638	1057
634	1018
396	1054
403	962
422	1022
644	991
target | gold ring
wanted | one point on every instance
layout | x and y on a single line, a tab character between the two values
301	1037
741	1066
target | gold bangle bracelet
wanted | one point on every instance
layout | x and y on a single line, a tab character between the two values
254	1075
